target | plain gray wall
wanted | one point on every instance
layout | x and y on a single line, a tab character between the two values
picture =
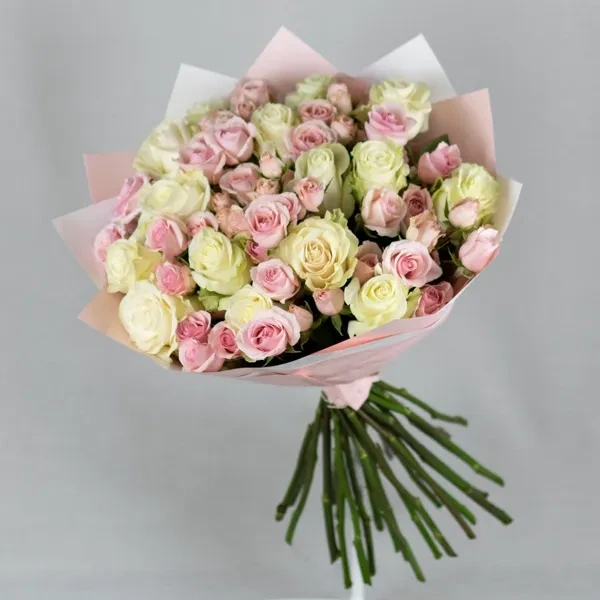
120	481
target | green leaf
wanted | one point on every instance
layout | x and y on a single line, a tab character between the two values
433	144
336	320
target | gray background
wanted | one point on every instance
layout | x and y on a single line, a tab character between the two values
120	481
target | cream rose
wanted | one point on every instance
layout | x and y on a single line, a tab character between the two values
181	194
378	164
468	181
159	153
150	319
127	262
378	301
414	96
310	88
218	264
241	307
273	122
321	251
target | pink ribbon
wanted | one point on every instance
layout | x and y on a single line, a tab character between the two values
351	394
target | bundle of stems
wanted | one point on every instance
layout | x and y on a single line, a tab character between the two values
356	463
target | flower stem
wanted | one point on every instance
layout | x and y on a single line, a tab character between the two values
327	499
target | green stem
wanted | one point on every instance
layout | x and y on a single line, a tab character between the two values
340	502
432	412
334	553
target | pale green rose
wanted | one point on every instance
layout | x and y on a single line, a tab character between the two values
242	306
412	301
321	252
273	122
139	233
128	262
180	194
198	111
328	164
150	319
159	153
378	164
468	181
414	96
378	301
210	300
310	88
217	264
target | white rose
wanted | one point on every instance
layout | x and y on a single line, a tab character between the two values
127	262
150	319
180	194
273	122
218	264
310	88
241	307
414	96
159	153
381	299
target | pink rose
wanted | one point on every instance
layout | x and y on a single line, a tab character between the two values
268	220
235	138
247	96
329	302
345	128
268	334
292	203
215	118
127	203
167	234
199	357
369	256
241	182
220	200
222	340
439	163
270	166
390	122
195	326
316	110
174	279
266	187
256	253
411	262
200	153
232	221
303	316
105	237
199	220
416	200
339	96
480	248
307	135
382	211
275	279
310	192
424	228
464	213
433	298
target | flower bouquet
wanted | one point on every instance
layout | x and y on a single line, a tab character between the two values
304	227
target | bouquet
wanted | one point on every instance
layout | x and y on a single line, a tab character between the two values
305	227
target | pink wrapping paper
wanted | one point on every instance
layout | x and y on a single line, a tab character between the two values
468	121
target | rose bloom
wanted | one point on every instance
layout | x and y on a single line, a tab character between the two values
256	253
206	156
369	257
235	138
345	128
247	96
307	135
411	262
275	279
439	163
480	248
127	199
303	316
464	214
195	326
105	237
197	357
174	279
268	334
214	118
199	220
265	187
339	95
220	200
168	235
416	200
292	203
433	298
382	211
329	302
316	110
424	228
310	192
232	221
268	221
241	182
222	339
270	166
390	122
